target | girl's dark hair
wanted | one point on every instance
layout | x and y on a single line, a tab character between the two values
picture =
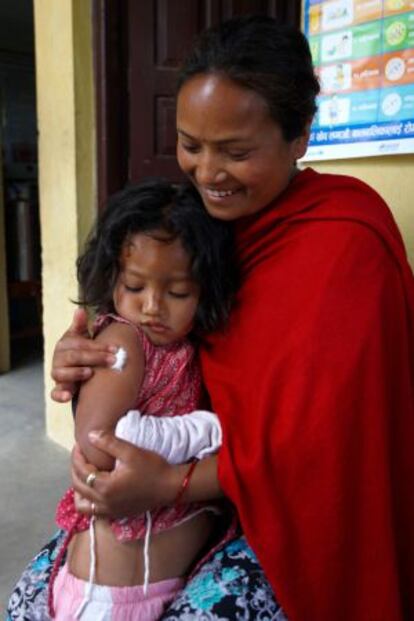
150	207
260	54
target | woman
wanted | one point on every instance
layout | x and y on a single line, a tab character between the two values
313	379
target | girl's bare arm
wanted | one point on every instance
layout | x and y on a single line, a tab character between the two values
76	356
108	394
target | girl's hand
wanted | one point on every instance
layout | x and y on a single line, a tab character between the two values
75	356
141	481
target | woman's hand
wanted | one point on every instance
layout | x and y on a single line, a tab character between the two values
75	356
141	481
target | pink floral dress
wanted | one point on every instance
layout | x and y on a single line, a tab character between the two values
171	387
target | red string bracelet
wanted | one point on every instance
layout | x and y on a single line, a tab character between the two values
185	482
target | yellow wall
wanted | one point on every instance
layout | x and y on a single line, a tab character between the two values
393	178
4	315
65	105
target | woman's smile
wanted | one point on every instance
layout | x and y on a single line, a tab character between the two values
218	197
219	193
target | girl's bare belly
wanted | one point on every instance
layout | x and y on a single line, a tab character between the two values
171	553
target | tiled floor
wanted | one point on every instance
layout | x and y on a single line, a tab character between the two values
33	470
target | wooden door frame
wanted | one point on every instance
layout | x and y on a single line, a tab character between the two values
4	305
111	88
110	21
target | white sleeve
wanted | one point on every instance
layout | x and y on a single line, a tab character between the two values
176	438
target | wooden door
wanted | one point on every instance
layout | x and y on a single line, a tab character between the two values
145	42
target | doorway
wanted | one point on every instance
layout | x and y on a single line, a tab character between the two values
20	278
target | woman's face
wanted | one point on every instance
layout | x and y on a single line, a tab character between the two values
231	148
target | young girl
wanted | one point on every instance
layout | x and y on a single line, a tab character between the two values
158	270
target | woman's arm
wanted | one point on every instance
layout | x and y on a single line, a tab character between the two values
143	481
108	394
75	357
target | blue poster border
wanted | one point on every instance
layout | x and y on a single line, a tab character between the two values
357	140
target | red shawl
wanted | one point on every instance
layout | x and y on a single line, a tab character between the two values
314	384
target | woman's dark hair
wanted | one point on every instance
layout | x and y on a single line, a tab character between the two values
262	55
149	207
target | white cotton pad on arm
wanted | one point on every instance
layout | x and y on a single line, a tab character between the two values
120	359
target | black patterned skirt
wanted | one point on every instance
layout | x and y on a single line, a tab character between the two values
230	585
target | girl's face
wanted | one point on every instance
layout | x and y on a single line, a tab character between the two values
154	289
231	148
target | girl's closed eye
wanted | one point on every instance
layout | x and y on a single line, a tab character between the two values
181	295
133	289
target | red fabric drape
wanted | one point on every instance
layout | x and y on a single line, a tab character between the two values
314	383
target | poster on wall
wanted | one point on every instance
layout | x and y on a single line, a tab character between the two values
363	51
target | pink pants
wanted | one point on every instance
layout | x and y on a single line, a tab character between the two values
108	603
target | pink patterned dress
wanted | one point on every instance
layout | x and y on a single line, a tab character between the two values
171	387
